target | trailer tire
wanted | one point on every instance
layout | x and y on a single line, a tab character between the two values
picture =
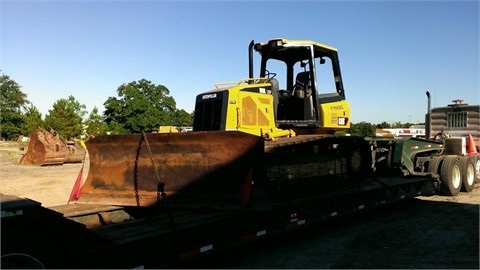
20	261
451	176
467	165
30	242
358	157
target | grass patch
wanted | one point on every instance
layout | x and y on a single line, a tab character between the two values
10	150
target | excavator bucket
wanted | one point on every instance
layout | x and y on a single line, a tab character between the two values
136	170
48	148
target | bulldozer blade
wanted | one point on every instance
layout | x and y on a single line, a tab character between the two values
134	170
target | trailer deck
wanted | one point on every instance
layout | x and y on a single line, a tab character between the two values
160	237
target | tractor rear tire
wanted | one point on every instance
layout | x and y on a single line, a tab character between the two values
434	165
476	161
467	166
451	176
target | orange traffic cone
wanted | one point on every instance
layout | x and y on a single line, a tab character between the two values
471	150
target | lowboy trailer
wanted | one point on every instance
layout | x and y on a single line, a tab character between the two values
102	236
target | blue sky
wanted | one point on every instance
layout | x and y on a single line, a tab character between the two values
391	52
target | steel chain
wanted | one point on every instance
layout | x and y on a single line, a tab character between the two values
135	168
160	186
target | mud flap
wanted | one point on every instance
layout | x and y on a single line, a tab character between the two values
194	165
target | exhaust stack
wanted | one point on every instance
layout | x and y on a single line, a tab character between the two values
427	117
250	59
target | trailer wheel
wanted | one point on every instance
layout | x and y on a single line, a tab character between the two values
31	244
359	163
355	161
467	165
451	176
21	261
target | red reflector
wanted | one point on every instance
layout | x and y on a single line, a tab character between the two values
291	225
190	253
248	237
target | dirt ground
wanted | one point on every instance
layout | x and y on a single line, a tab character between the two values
435	232
50	185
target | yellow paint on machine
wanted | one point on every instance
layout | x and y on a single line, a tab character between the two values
251	111
336	115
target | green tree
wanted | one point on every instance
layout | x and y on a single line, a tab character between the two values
182	118
397	124
33	120
95	124
383	125
12	103
340	133
140	106
362	129
80	109
115	128
66	117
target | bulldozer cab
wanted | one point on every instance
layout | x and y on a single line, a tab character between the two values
306	93
295	93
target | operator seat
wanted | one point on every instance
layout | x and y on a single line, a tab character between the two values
302	91
301	83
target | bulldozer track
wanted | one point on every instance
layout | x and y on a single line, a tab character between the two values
269	145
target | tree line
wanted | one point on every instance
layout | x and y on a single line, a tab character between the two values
139	106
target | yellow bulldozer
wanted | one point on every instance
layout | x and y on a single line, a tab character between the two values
269	136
